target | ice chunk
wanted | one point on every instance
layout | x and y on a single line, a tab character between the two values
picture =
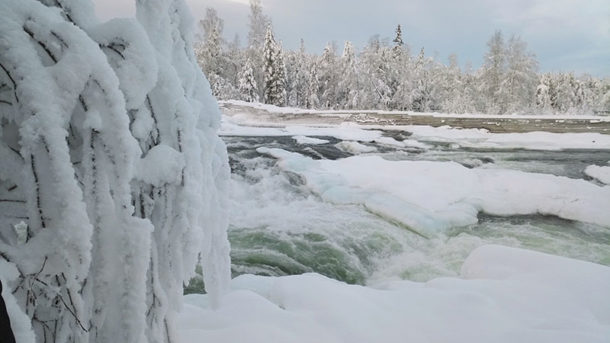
602	174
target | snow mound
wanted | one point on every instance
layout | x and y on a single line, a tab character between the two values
602	174
506	295
355	147
309	140
425	196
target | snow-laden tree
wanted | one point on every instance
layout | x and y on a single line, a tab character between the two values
247	84
297	77
274	86
312	100
492	75
349	80
399	74
210	53
424	89
454	89
546	94
328	76
398	43
375	91
518	87
258	23
605	96
113	180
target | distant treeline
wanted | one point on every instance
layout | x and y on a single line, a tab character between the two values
386	75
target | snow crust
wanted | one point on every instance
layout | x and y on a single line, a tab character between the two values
253	107
602	174
355	147
309	140
425	196
481	138
422	136
504	295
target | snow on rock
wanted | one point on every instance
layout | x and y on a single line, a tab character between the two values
425	196
602	174
505	295
355	147
309	140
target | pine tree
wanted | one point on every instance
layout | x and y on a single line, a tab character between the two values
210	56
274	71
398	43
312	100
247	84
328	77
256	40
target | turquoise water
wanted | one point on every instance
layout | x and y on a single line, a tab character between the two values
279	227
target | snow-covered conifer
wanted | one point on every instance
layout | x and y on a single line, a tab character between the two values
398	38
274	87
247	84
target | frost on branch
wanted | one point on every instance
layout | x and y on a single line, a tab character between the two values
112	179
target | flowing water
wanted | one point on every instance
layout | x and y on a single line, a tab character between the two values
279	227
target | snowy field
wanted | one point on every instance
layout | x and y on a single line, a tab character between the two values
420	234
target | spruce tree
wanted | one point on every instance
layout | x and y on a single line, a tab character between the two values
274	91
247	83
398	39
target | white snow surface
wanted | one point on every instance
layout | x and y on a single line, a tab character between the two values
247	124
602	174
481	138
254	106
355	147
309	140
424	195
503	295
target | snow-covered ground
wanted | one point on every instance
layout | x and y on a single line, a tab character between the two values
254	107
413	216
503	295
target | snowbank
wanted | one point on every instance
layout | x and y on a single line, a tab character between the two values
505	295
428	198
249	125
599	173
254	107
344	131
481	138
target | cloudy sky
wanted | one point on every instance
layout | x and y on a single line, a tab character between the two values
565	35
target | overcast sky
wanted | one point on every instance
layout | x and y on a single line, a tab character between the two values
565	35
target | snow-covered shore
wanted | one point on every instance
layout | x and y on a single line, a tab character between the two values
503	295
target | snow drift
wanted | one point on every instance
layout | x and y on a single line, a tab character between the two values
503	295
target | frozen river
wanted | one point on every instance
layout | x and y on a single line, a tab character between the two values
284	223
